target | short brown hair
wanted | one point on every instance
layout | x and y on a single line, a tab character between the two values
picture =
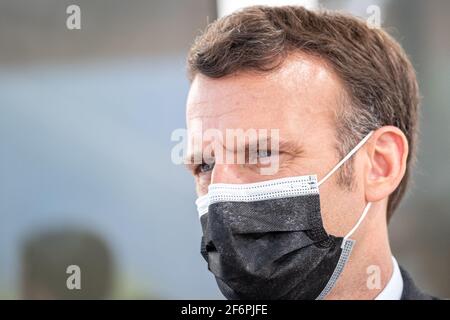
379	80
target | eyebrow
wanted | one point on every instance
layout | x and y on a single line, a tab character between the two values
190	160
283	145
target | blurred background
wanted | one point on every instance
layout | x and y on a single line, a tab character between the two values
86	118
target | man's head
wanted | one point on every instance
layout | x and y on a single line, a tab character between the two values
46	258
325	80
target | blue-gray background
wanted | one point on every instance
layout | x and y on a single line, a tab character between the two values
85	124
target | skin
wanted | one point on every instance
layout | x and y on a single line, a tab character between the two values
301	100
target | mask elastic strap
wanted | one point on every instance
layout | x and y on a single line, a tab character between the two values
361	218
347	247
348	156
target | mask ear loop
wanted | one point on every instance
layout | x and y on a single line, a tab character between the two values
361	218
348	156
369	204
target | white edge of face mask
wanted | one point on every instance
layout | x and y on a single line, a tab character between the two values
258	191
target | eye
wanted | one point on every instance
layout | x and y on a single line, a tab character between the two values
205	167
264	153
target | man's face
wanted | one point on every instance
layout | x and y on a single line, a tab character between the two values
300	100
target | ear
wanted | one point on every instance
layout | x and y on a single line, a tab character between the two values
388	152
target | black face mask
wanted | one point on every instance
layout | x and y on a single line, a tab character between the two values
267	241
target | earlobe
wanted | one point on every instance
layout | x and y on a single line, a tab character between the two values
388	152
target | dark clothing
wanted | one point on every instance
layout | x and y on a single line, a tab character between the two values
410	291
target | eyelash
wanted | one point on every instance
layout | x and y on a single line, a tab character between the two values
199	170
267	155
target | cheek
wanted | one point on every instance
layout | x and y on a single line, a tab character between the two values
202	182
340	208
292	165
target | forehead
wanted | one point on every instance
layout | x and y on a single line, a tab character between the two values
301	95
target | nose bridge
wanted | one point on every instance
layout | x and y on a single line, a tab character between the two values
227	173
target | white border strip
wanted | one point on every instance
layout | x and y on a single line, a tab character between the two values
347	246
265	190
